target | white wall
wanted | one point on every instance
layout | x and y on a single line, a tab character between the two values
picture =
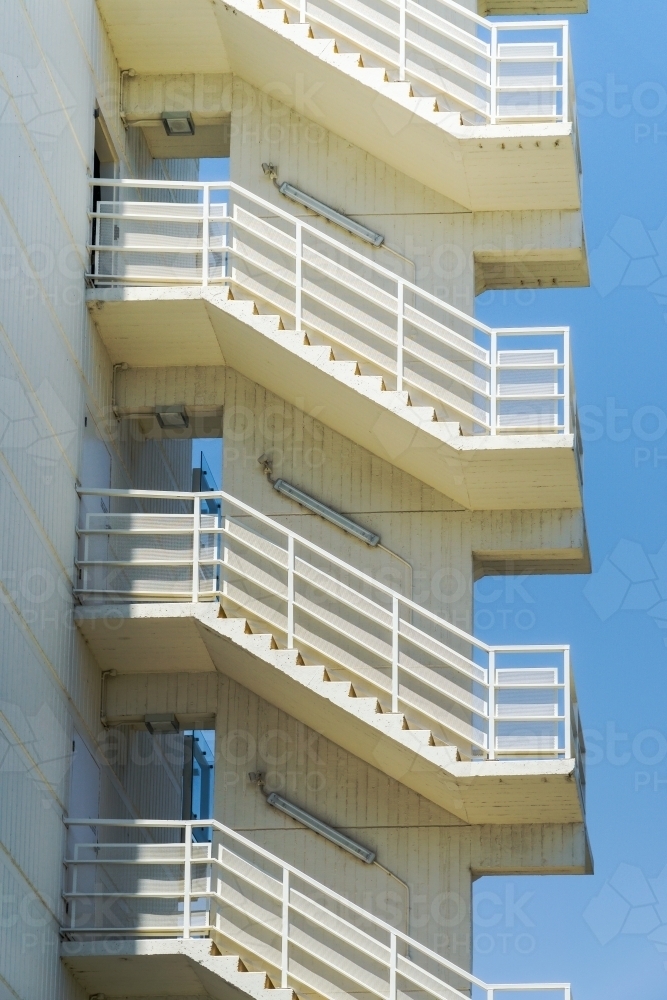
55	62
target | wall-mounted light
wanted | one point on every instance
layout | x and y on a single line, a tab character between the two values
163	722
319	207
317	507
178	123
172	418
318	826
326	512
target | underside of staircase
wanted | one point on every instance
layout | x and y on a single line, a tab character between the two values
481	472
176	637
166	968
504	167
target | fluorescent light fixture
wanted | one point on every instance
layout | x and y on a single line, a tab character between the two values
178	123
172	418
315	824
328	513
363	232
163	722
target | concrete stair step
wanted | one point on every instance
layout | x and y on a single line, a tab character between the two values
399	90
376	75
298	32
255	984
274	16
322	47
346	60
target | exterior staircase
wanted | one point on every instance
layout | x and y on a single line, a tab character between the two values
424	115
165	968
485	416
235	920
466	725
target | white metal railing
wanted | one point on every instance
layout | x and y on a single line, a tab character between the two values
490	701
491	381
155	881
493	72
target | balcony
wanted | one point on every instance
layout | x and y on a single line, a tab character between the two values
481	112
147	879
334	648
486	416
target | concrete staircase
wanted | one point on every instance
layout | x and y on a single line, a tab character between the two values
166	968
478	471
517	791
511	166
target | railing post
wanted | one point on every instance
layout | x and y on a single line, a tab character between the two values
567	401
493	95
298	278
565	70
392	967
290	592
205	234
401	39
75	872
303	10
567	703
225	241
187	881
493	384
395	612
284	956
196	533
492	704
400	302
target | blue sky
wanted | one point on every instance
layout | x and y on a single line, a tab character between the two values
603	932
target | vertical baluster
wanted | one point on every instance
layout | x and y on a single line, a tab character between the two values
401	39
565	73
284	957
392	967
205	234
567	704
567	391
187	881
492	704
290	592
394	652
493	384
493	96
400	311
303	11
196	542
225	242
75	872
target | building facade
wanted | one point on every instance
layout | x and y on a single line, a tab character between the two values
264	227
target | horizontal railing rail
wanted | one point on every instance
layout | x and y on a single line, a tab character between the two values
157	881
490	701
493	73
491	381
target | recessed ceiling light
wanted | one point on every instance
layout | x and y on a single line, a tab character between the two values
161	723
178	123
172	418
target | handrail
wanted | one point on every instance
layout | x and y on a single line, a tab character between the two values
213	856
460	55
384	639
515	381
